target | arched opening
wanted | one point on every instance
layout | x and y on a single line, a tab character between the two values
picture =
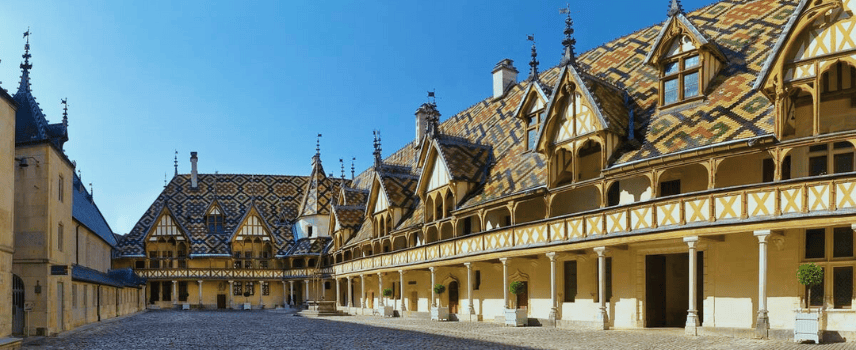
429	208
745	170
628	191
387	224
181	254
17	305
530	210
683	179
376	248
446	230
453	297
469	225
431	235
589	165
562	167
438	206
348	256
399	243
496	218
312	263
818	160
575	201
799	115
387	246
449	204
415	239
298	263
837	93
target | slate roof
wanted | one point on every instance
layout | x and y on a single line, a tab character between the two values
349	216
87	213
127	276
310	246
31	126
466	161
321	192
355	196
115	278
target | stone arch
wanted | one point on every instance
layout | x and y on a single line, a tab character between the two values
589	156
431	234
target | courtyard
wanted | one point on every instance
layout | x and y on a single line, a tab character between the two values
285	330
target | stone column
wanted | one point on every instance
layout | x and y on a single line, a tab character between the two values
174	292
401	291
291	293
200	292
602	315
338	293
691	327
362	291
231	291
470	309
261	288
379	290
284	295
305	290
433	302
348	295
504	282
553	302
762	324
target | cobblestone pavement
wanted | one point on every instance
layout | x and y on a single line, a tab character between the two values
281	330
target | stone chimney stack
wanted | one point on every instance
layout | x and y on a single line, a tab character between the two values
194	183
421	125
504	74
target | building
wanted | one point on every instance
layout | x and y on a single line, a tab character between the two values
53	216
7	217
673	177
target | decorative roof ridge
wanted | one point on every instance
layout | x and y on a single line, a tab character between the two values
350	207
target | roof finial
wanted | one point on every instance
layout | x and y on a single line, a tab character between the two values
164	179
342	164
318	145
352	167
675	8
65	112
175	162
26	65
91	192
568	57
533	71
377	148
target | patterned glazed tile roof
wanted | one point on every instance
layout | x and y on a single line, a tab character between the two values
355	196
609	100
349	216
310	246
84	210
362	235
466	161
276	198
400	187
321	192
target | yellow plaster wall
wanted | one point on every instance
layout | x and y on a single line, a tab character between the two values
7	202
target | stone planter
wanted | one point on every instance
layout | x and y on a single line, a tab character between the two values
516	317
807	326
185	306
388	311
247	306
439	314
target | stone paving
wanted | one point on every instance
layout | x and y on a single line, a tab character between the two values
284	330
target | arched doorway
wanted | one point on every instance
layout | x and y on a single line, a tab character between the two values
453	297
17	305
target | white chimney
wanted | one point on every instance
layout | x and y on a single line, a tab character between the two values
193	174
504	74
421	124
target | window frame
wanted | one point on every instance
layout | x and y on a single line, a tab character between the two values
533	120
680	74
830	263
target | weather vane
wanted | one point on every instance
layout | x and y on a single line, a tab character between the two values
432	96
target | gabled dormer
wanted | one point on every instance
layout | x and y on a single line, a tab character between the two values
686	60
215	219
252	241
167	242
531	111
810	71
586	121
390	197
451	168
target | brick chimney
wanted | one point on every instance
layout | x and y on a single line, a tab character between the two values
193	174
504	74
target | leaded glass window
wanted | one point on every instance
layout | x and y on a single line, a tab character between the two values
265	288
236	289
842	289
681	73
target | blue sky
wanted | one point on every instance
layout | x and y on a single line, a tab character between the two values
248	84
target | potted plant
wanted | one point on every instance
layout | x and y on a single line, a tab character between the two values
514	316
246	302
439	313
387	309
807	323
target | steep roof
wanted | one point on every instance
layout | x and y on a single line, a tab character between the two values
321	191
87	213
31	126
310	246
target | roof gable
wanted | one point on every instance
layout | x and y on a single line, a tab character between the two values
674	28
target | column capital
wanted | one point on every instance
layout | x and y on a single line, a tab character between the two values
551	256
173	282
468	265
230	282
691	241
199	281
379	274
431	269
600	251
400	272
504	260
853	227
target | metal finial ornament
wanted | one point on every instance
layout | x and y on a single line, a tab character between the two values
26	65
569	56
432	96
65	112
318	145
342	165
533	64
175	162
164	180
675	8
352	167
91	191
377	148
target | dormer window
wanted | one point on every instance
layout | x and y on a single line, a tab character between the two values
681	73
214	220
532	123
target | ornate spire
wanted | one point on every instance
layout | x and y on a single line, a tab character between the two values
175	162
65	112
316	159
164	180
26	65
377	149
352	167
533	64
568	57
342	165
675	8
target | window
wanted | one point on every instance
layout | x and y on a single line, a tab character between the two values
86	293
570	281
815	243
250	288
309	231
154	263
681	73
786	168
817	292
842	287
468	225
59	237
265	288
60	188
670	188
607	280
167	291
477	280
841	154
236	289
532	124
214	219
140	264
74	296
832	250
769	170
842	242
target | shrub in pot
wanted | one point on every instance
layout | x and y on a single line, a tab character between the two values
807	324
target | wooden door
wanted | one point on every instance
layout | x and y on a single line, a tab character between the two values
221	301
655	296
414	301
523	298
453	297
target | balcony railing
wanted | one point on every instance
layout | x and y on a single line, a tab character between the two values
225	274
758	203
